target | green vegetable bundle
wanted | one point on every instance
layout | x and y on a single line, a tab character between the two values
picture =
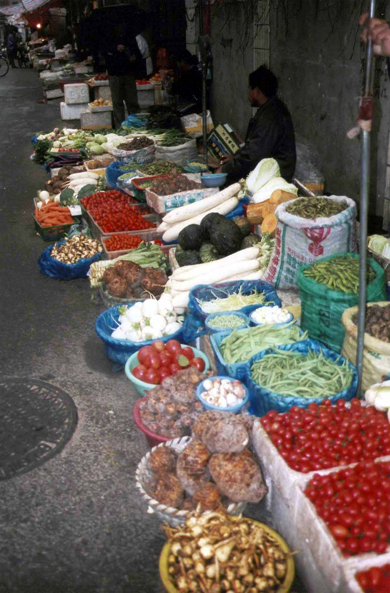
308	375
173	138
241	345
340	273
316	208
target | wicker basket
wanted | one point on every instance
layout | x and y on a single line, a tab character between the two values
174	517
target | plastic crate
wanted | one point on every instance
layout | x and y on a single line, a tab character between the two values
138	190
165	203
52	233
98	233
145	236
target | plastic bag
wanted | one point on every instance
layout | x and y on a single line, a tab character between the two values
55	269
262	400
376	353
113	172
221	290
193	124
308	161
143	156
302	241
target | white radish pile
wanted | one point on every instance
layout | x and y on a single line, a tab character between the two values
242	265
148	320
222	203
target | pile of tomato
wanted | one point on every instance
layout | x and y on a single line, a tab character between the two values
122	242
375	580
163	359
112	212
328	436
355	505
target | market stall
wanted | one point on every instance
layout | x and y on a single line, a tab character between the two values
232	312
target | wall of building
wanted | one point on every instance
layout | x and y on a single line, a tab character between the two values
316	53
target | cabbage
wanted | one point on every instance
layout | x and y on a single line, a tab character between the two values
96	149
275	183
99	138
379	245
264	171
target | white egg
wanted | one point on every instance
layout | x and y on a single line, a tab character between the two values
214	392
207	385
231	399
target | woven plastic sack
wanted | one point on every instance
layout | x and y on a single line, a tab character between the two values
144	156
55	269
322	307
376	353
223	289
120	350
113	172
262	400
178	154
303	241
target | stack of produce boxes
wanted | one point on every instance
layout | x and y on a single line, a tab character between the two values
340	514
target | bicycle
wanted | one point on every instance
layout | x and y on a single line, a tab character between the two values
4	65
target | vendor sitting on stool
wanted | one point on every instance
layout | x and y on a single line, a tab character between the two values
270	132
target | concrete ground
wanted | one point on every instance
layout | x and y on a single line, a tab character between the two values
76	524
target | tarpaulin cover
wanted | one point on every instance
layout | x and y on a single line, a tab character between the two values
27	6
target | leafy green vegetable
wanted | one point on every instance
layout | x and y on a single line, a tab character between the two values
67	197
41	149
87	190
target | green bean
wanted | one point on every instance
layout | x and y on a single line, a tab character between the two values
308	375
241	345
340	273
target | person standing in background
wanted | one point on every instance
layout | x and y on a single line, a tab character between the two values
144	49
11	47
123	60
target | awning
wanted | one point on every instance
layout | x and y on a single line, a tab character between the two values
25	6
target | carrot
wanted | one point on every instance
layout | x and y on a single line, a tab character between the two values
269	224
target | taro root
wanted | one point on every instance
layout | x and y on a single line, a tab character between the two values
238	476
190	482
226	435
109	275
162	460
169	491
208	496
195	458
117	287
154	281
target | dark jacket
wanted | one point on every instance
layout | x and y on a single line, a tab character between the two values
270	134
188	87
118	62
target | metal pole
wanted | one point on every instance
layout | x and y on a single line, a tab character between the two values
203	54
364	198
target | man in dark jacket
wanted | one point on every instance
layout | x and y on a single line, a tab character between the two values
270	132
123	59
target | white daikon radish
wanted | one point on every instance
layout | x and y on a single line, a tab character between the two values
224	208
85	181
251	276
180	301
191	210
188	272
224	273
163	227
84	175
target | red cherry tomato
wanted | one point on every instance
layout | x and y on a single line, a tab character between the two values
182	360
164	372
188	352
174	368
375	576
158	345
144	354
198	363
152	376
166	360
140	372
154	361
173	346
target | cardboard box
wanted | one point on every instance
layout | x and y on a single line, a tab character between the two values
223	140
76	93
72	111
53	94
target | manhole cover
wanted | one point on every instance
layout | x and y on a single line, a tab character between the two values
36	421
